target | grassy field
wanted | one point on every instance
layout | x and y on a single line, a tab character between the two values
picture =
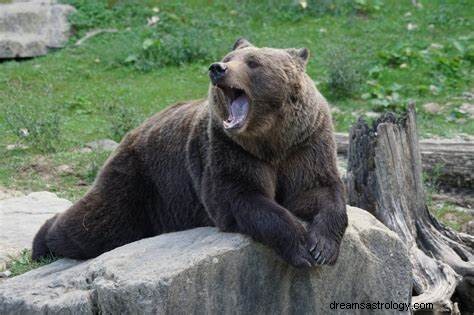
366	56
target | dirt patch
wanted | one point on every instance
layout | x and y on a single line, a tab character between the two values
9	193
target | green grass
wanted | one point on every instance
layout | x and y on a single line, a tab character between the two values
24	263
450	216
143	69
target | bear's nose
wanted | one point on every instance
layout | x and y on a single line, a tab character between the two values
217	71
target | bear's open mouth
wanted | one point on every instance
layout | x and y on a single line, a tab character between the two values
237	107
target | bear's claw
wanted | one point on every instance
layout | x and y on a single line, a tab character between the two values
300	257
324	250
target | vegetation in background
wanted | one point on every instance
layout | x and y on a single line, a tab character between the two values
38	129
450	216
122	119
24	263
92	168
344	74
366	56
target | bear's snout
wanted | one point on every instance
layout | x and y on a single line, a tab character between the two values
217	71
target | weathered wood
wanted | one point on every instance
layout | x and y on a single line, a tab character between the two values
449	161
385	177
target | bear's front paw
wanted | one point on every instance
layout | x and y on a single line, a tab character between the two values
324	250
299	256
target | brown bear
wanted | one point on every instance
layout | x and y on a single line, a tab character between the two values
254	157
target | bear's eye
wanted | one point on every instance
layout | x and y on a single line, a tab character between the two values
253	64
226	59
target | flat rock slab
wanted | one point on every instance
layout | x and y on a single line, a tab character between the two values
29	29
21	218
203	271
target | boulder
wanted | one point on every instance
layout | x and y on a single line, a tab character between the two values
21	217
29	29
102	145
204	271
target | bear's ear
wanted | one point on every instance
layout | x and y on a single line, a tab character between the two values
301	55
241	43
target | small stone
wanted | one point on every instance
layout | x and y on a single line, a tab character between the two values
335	110
102	145
84	150
432	108
153	20
5	274
436	46
412	26
408	14
322	30
403	66
24	132
468	108
468	227
64	169
434	89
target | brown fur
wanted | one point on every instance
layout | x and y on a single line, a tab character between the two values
181	169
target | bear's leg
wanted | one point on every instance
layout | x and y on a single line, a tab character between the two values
254	214
271	224
40	248
113	213
328	223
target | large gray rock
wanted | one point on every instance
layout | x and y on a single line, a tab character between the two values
21	218
28	29
203	271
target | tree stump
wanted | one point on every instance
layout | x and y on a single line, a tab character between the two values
385	178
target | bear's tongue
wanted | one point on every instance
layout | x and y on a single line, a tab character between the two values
238	110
